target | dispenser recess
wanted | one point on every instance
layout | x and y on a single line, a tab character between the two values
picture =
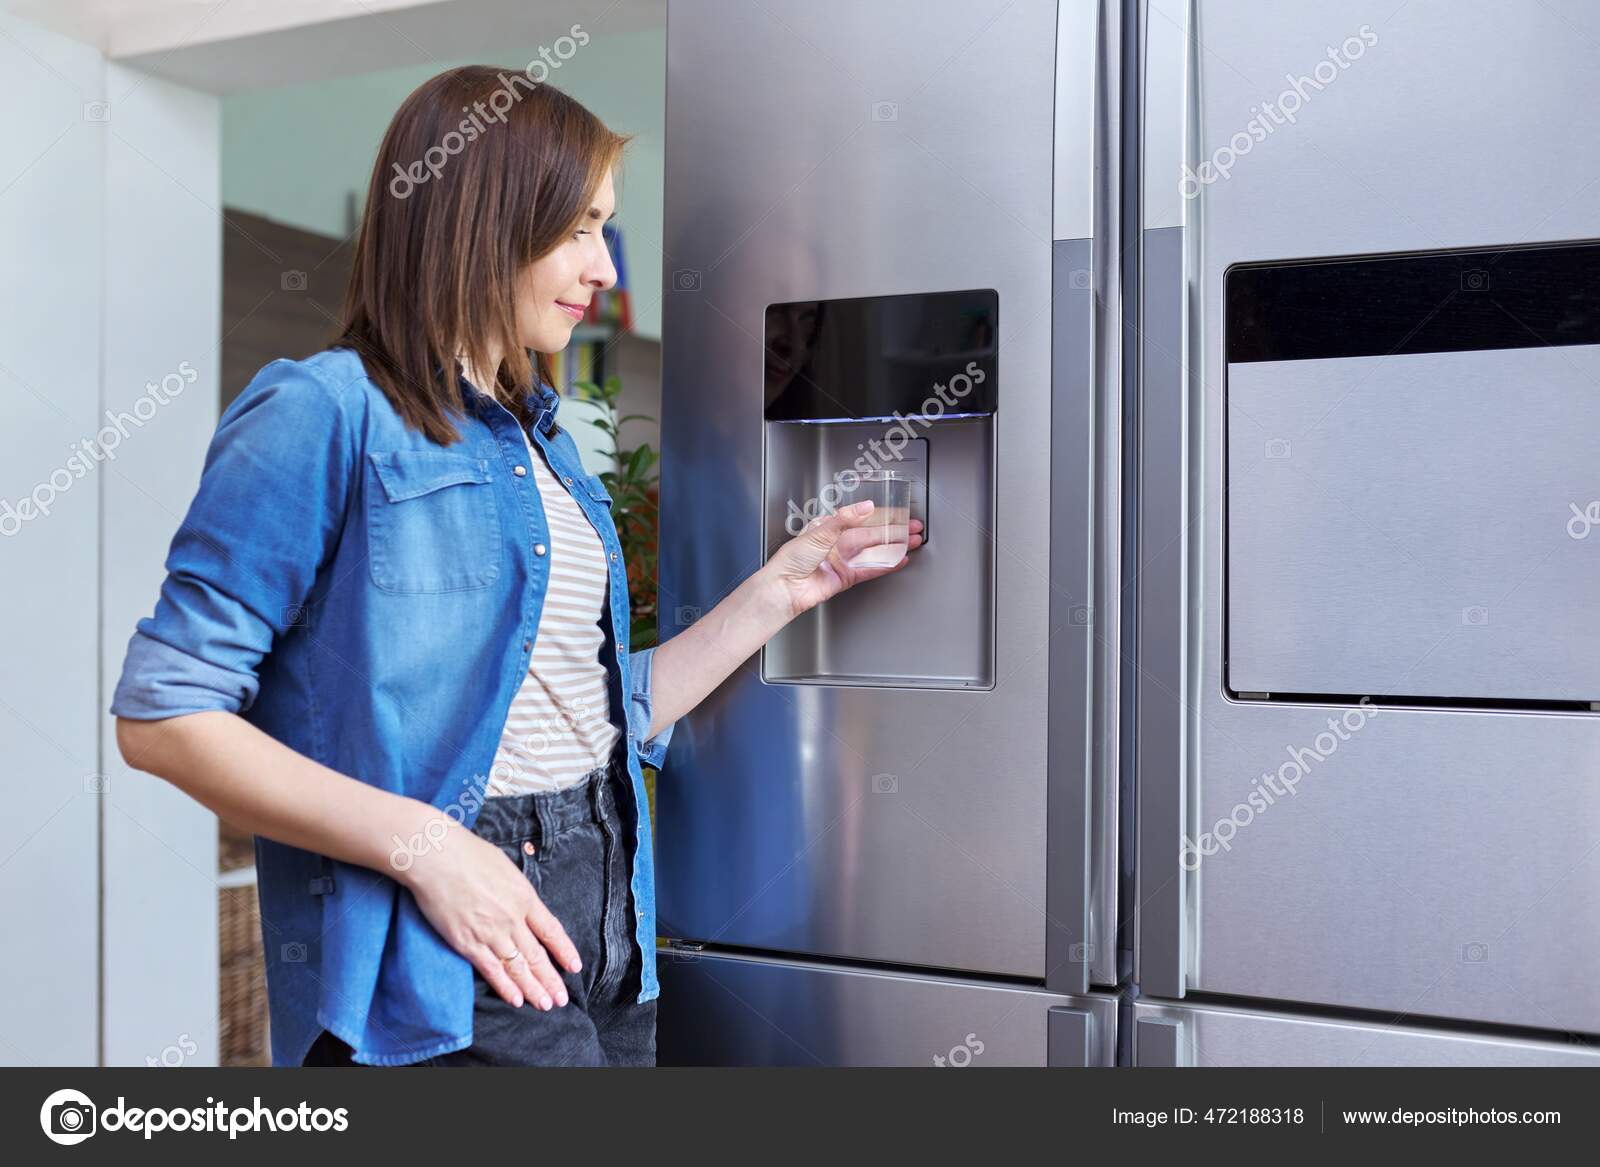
909	383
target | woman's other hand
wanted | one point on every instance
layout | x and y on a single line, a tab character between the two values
485	909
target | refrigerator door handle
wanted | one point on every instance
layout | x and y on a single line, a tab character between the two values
1070	855
1085	546
1069	1034
1163	629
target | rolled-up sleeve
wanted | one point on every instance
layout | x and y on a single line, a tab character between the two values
267	514
641	709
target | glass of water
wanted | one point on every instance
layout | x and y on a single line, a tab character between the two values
882	540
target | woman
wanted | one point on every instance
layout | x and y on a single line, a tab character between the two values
393	637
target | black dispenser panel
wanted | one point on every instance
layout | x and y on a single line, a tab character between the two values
878	356
1538	296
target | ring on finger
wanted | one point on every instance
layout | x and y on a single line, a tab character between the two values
515	955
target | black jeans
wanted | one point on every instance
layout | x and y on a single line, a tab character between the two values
571	846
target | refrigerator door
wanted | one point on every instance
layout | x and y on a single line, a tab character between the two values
1166	1034
721	1010
820	802
1385	787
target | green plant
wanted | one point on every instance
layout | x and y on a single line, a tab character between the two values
633	489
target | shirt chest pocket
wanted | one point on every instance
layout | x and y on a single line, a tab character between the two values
432	521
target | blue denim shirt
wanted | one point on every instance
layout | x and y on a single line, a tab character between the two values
370	599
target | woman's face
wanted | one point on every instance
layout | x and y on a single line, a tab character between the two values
554	291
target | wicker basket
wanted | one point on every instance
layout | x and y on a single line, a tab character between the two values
235	848
243	979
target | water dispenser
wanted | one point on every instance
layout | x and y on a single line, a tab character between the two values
907	383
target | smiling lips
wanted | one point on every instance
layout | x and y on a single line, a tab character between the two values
576	311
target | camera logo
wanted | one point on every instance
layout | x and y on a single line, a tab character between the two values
68	1117
960	1056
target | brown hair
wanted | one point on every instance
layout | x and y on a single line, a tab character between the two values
480	173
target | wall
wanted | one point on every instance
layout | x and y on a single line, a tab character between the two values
108	200
163	251
51	178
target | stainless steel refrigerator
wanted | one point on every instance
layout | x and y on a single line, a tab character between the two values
892	836
1241	707
1369	648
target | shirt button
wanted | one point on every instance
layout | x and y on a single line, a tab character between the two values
568	481
519	471
527	646
538	548
528	848
613	557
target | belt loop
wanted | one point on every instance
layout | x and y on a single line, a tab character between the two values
322	885
540	818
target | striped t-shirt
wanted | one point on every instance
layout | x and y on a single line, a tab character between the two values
559	727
